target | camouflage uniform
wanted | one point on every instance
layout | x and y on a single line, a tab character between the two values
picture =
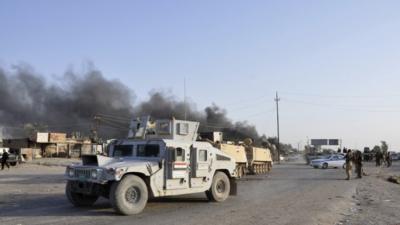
358	163
349	165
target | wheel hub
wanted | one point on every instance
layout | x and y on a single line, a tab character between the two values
220	186
132	195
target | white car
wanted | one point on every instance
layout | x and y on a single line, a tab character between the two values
333	161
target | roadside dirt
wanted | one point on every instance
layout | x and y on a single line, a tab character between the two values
376	201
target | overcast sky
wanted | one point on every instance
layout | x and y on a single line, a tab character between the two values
335	64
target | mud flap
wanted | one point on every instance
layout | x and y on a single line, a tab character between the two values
233	190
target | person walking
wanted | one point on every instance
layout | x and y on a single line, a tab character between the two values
4	159
349	166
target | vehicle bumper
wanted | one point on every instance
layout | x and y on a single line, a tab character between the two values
89	188
316	165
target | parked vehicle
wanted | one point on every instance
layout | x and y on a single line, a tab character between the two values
13	158
333	161
160	158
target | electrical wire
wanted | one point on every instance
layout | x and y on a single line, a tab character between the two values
337	96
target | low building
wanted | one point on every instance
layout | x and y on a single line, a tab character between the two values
53	145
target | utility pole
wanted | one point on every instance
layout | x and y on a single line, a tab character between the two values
277	99
184	97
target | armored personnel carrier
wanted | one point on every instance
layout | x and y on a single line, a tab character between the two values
249	159
259	159
159	158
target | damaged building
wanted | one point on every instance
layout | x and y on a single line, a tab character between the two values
48	144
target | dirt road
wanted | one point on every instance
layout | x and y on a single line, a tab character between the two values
292	193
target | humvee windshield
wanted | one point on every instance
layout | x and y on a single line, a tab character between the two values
148	150
123	150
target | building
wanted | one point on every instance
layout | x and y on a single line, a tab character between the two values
48	144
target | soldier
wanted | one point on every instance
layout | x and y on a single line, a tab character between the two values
349	158
358	163
4	159
388	159
378	158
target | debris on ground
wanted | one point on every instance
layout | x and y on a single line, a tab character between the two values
394	179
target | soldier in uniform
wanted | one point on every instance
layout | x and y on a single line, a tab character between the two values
388	159
349	166
378	158
358	163
4	159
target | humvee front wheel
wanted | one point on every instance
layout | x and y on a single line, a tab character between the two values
220	188
129	196
78	199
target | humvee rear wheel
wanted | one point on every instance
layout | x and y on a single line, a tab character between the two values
220	188
129	196
78	199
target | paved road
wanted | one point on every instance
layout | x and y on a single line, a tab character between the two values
292	193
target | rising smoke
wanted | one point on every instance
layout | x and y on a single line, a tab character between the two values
28	102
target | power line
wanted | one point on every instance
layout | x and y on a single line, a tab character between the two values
340	107
339	96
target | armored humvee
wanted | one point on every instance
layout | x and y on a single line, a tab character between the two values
159	158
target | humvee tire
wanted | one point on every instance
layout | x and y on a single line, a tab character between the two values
129	196
13	163
78	199
220	188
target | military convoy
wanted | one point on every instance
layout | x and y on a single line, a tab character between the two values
162	158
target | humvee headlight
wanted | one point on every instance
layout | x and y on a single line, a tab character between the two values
94	174
71	172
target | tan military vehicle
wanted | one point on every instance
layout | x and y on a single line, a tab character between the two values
160	158
259	159
249	159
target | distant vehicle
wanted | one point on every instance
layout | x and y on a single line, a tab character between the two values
333	161
310	157
13	158
395	156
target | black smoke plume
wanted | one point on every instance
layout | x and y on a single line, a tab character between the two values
89	102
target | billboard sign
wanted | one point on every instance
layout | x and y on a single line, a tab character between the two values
333	142
319	142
